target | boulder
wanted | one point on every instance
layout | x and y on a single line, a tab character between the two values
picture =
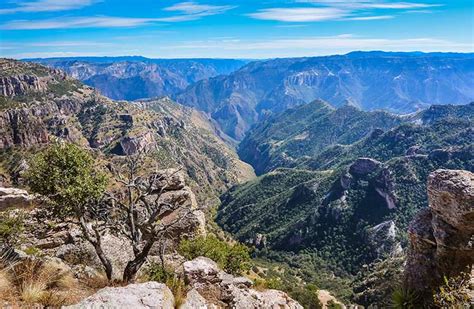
15	198
194	300
220	289
441	236
137	296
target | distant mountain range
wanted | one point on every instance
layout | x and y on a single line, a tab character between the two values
135	77
238	93
396	82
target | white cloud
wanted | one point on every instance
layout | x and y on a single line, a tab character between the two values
399	5
196	8
193	11
234	48
362	10
189	11
299	14
311	46
370	4
48	6
377	17
76	22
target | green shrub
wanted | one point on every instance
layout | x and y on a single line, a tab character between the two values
11	225
233	259
176	284
404	298
333	305
453	293
67	175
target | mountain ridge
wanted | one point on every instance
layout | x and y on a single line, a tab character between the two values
397	82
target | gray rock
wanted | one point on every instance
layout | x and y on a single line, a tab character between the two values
194	300
221	289
364	166
441	236
15	198
137	296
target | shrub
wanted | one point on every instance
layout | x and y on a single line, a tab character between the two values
404	298
177	286
233	259
453	293
11	225
67	175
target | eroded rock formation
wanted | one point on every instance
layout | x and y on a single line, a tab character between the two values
441	236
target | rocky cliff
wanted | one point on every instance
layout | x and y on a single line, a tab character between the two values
55	106
441	236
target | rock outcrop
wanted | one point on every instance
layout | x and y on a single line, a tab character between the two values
441	236
215	288
15	198
382	239
151	295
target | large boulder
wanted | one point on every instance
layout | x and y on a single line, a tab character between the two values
137	296
441	236
218	289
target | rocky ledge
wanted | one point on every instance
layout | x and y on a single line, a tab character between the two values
441	236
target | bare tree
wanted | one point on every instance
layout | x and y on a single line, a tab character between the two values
68	176
140	214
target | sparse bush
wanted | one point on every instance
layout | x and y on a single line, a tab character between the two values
176	284
233	259
11	225
404	298
453	293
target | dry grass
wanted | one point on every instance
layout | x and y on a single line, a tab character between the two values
5	285
35	282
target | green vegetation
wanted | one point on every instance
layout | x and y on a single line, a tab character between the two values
234	259
453	293
317	208
67	175
403	298
11	225
156	272
307	130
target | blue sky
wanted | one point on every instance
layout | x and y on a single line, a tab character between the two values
231	29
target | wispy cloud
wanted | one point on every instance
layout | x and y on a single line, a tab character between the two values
196	8
236	48
370	4
376	17
188	11
48	6
299	14
76	22
322	45
192	11
323	10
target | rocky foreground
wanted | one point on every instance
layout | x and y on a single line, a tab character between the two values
441	236
210	287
